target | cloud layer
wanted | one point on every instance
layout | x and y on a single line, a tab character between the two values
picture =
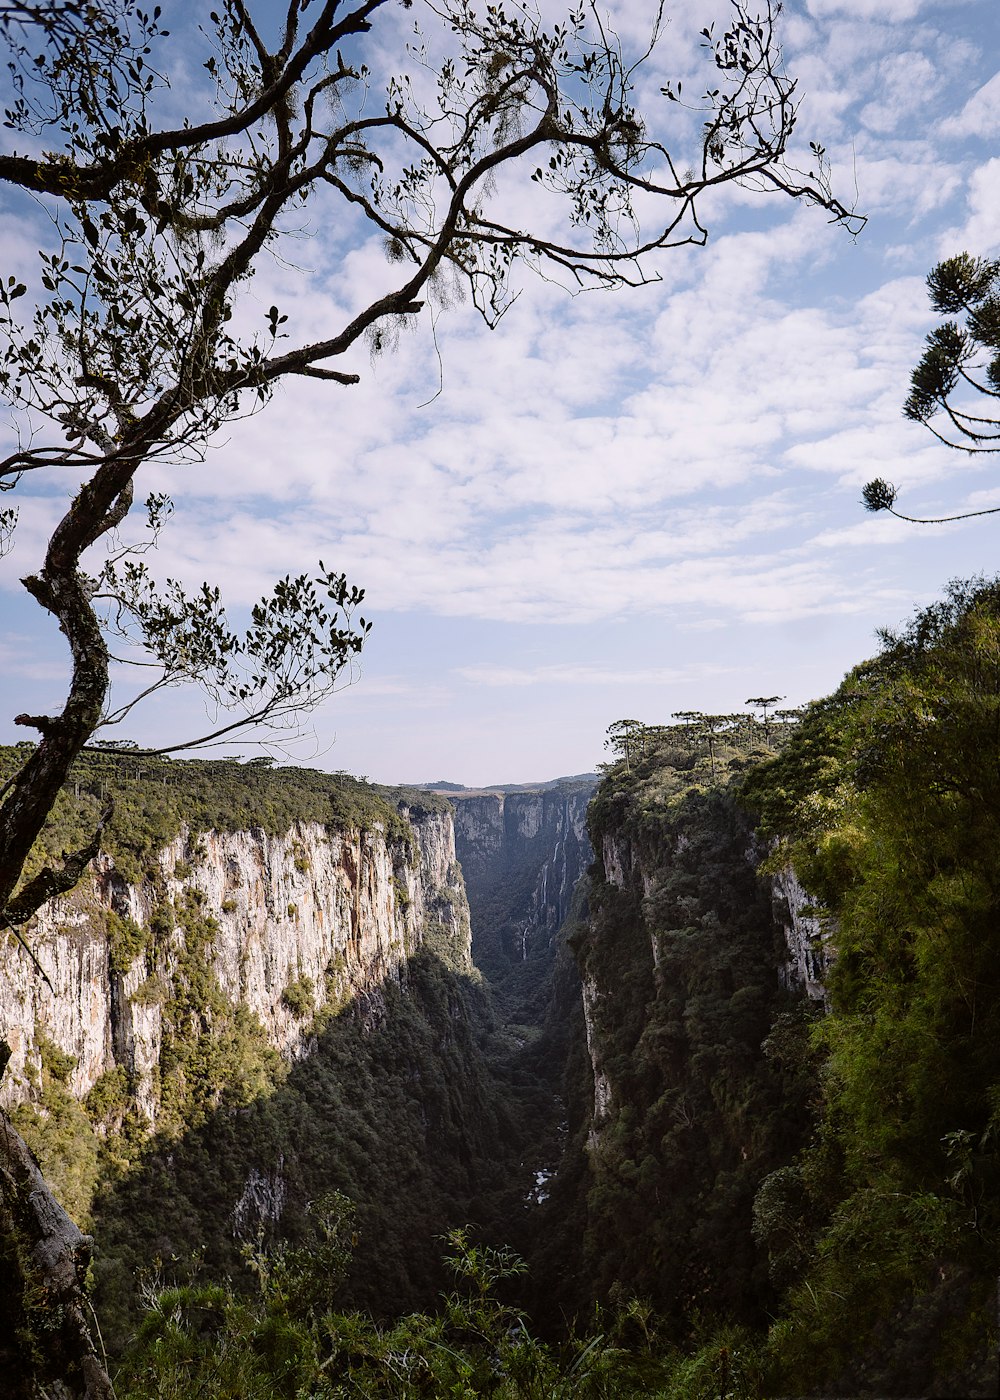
660	486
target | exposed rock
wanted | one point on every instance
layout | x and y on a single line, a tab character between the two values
521	854
617	859
262	1201
807	937
602	1083
301	919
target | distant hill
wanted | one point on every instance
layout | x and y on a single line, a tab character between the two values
576	780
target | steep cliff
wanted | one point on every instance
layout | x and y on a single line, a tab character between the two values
521	854
263	993
288	924
808	937
694	1078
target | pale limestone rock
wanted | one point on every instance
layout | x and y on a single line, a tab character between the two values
617	859
343	910
479	822
506	838
807	937
602	1083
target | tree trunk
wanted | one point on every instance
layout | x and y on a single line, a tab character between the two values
45	1342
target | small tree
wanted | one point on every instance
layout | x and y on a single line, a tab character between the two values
763	703
759	715
707	728
626	738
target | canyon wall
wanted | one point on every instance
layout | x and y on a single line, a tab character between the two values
655	877
693	1062
521	854
287	925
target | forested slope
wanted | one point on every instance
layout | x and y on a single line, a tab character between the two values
767	1186
823	1174
887	802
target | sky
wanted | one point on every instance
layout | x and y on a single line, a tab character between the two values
616	504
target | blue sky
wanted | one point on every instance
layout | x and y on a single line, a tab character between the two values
617	504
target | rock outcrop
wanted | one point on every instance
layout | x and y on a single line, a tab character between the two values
659	885
807	938
286	924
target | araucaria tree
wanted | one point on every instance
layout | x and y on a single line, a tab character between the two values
141	343
955	387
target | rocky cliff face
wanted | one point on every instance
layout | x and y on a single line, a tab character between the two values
807	938
522	855
286	924
630	869
691	1040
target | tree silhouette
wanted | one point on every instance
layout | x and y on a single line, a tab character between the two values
958	361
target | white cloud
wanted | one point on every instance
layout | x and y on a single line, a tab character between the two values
981	114
983	500
904	83
570	675
668	473
906	187
870	531
886	11
980	233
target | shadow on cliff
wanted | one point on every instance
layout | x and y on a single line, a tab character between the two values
405	1101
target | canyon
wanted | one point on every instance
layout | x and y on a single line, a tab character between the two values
324	977
585	1020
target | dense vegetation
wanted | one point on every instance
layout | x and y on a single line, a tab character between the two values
152	798
888	804
287	1339
767	1196
395	1106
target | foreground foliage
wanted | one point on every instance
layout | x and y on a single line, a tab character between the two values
887	802
288	1341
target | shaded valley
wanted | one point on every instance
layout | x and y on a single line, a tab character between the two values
712	1047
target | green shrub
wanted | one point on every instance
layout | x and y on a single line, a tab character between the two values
109	1097
299	997
57	1063
126	941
